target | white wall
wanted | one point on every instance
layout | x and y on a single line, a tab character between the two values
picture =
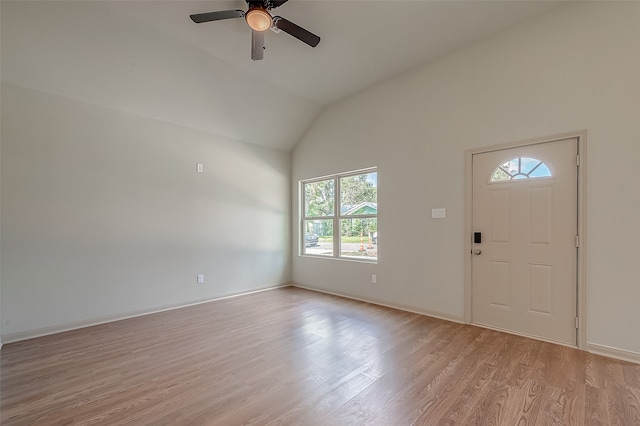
89	50
104	215
577	68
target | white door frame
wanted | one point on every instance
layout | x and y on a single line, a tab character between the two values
581	299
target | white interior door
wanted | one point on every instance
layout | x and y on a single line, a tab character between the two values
524	269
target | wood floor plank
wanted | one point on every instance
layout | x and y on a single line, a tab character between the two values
457	384
631	375
625	403
290	356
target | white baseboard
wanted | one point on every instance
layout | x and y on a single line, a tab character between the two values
610	352
399	306
31	334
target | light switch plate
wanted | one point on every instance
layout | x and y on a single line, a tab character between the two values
438	213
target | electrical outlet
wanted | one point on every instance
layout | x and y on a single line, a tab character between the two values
374	279
199	167
200	279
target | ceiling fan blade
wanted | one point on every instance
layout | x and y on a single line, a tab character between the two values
257	45
199	18
277	3
265	4
298	32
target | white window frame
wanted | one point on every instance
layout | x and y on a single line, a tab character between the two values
337	216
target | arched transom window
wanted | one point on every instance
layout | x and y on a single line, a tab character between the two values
521	168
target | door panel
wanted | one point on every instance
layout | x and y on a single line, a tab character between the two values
524	275
540	288
540	216
500	289
500	202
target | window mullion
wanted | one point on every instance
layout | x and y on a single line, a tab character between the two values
303	230
359	216
336	219
316	217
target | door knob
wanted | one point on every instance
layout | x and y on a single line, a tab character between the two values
477	251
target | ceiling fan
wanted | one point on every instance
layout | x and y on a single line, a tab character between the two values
260	19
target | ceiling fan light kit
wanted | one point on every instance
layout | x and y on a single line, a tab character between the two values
259	20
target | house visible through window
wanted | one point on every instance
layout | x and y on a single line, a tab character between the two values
340	216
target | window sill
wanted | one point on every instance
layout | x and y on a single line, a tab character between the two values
373	261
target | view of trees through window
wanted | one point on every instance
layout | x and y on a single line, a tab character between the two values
346	204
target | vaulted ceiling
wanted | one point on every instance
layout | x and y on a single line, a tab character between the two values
149	58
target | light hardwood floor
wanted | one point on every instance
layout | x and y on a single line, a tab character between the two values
293	356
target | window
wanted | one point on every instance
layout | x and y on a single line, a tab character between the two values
521	168
340	216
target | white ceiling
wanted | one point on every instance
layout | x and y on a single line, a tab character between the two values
149	58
